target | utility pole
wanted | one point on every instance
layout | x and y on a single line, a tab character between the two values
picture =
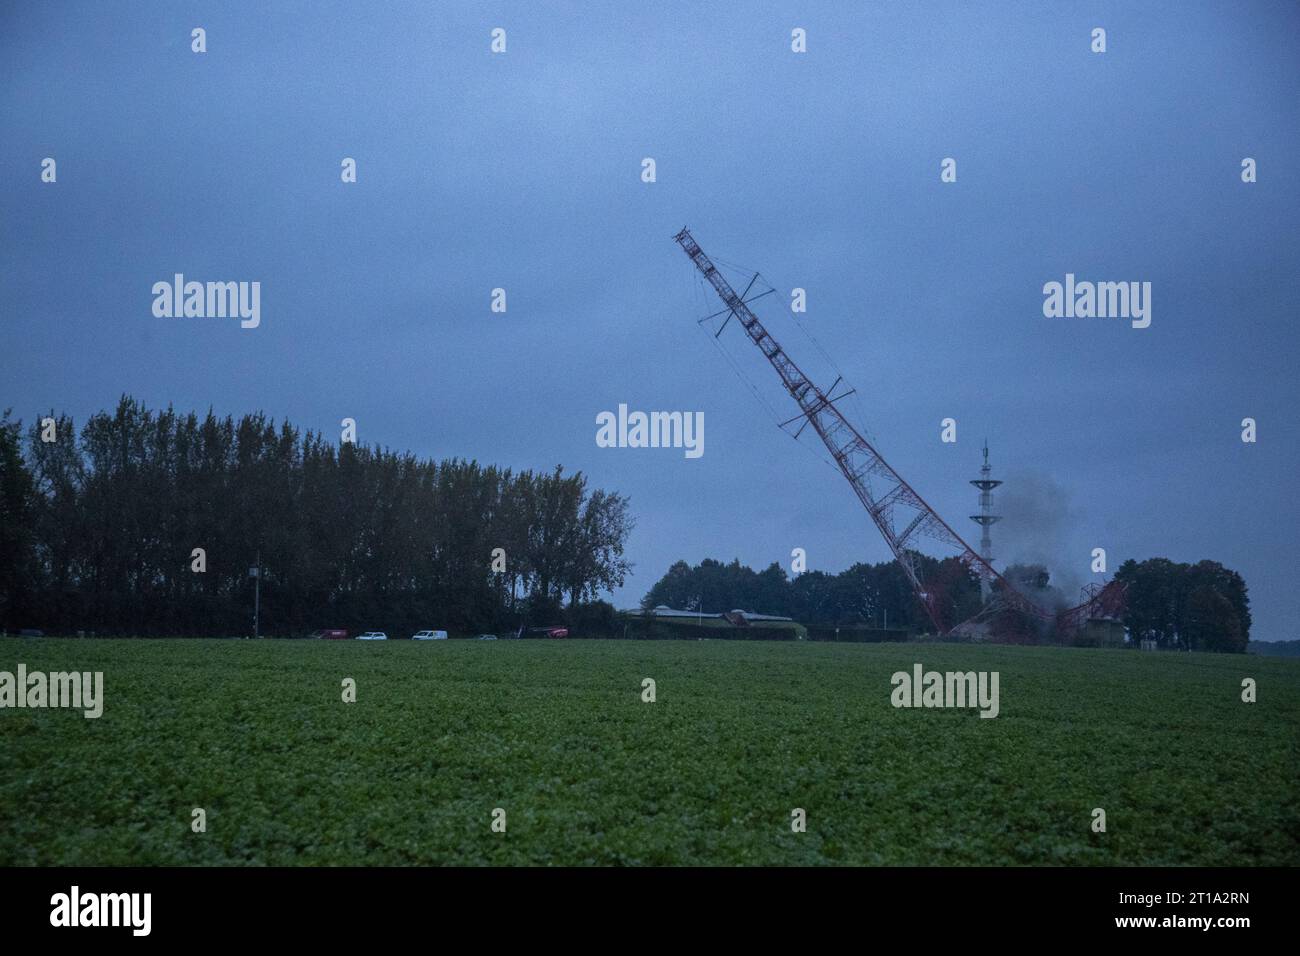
256	574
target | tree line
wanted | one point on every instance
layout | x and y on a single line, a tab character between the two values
99	531
864	594
1202	606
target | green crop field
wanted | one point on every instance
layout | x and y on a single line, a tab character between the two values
556	734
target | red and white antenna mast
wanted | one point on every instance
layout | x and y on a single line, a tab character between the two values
901	514
986	519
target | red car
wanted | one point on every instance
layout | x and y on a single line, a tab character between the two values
331	634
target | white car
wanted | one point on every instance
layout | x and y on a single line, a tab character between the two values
372	636
429	636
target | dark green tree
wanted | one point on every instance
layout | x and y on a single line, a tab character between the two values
101	531
18	514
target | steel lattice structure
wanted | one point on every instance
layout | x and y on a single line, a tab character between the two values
902	516
986	519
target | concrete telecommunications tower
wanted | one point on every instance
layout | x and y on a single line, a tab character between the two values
985	519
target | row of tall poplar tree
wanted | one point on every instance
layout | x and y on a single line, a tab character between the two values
99	531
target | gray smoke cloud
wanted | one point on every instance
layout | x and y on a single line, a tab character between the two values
1035	529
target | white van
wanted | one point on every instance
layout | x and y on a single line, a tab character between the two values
429	636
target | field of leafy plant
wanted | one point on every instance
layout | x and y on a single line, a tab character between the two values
556	734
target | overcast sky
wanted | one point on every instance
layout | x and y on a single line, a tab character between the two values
523	170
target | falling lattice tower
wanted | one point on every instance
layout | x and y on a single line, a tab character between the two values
902	516
986	519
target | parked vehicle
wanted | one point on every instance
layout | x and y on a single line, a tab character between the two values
331	634
429	636
487	637
372	636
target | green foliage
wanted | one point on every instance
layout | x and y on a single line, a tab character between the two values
593	619
17	517
873	594
1203	606
555	733
709	628
856	633
353	537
